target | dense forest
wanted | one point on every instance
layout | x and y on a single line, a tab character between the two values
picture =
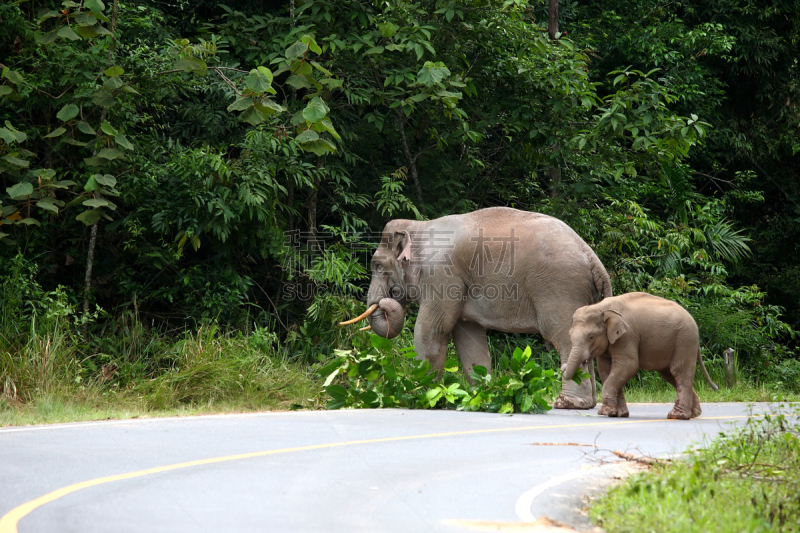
171	165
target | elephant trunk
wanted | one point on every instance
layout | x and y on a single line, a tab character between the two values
387	320
573	362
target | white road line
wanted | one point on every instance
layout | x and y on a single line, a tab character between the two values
132	421
525	501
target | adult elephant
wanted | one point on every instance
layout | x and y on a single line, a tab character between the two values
496	268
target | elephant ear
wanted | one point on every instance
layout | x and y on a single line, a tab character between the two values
402	246
402	250
615	325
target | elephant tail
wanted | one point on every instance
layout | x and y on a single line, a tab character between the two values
700	360
601	280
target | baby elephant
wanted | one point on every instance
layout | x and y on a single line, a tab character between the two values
632	331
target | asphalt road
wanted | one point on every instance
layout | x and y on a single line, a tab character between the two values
326	471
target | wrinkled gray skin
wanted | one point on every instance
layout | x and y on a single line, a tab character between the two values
632	331
495	268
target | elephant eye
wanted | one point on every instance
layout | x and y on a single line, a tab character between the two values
591	337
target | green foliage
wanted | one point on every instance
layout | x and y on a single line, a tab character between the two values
379	376
758	465
196	147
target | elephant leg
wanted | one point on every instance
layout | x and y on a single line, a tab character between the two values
472	347
573	396
622	370
435	322
604	369
676	411
682	369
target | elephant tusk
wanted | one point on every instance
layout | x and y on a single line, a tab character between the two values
365	328
360	317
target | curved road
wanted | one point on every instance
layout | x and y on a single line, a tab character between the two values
326	471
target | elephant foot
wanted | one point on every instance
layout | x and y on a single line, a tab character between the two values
675	414
607	410
569	402
696	411
623	413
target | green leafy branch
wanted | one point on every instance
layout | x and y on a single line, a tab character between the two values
379	376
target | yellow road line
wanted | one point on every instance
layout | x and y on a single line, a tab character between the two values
9	521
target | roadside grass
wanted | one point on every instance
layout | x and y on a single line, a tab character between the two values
46	375
745	480
46	380
649	387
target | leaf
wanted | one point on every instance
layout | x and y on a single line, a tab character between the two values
108	129
56	133
65	32
86	128
112	83
319	147
5	89
269	107
252	116
307	136
48	37
20	190
30	222
381	343
94	5
104	99
387	29
16	161
325	125
374	50
95	161
13	76
68	112
85	18
91	184
45	14
257	81
123	141
105	179
73	142
88	32
336	391
331	376
315	110
332	83
48	204
299	82
109	153
432	73
9	134
298	49
192	64
312	44
320	68
96	202
89	217
526	404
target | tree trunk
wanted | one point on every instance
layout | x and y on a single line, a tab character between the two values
87	282
555	169
412	164
554	173
552	21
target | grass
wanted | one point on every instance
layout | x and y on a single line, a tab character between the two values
45	379
746	480
45	376
658	391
